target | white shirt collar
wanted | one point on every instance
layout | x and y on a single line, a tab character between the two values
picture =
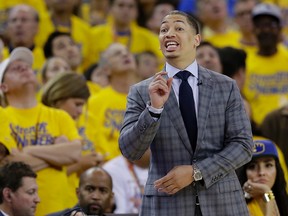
3	213
172	71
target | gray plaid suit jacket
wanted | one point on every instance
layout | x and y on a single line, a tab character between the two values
224	144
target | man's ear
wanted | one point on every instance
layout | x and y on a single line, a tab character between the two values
7	194
197	40
78	193
3	87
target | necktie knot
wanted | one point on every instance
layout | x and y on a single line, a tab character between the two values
183	75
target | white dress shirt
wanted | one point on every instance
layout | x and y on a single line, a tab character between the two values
192	80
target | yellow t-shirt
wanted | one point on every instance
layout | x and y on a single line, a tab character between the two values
86	131
40	125
266	83
94	88
139	40
254	208
5	136
108	108
229	38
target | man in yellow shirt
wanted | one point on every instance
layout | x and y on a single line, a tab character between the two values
266	76
61	19
61	44
21	30
121	28
47	135
108	106
217	28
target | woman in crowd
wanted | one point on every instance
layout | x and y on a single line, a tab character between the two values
69	92
263	181
52	67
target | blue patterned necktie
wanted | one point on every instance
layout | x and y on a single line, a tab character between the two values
187	107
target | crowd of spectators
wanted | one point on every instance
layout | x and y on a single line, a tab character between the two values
67	66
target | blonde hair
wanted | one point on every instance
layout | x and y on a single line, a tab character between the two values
64	86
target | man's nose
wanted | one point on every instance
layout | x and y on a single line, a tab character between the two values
96	195
170	33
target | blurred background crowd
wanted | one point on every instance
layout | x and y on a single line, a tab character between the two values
62	107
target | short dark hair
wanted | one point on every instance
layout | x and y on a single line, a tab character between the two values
88	73
48	48
206	43
11	175
191	20
138	56
232	59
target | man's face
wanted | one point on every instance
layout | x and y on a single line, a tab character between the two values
208	57
18	74
25	199
95	194
120	59
160	11
147	66
124	11
267	30
22	26
212	10
64	47
56	65
177	38
243	15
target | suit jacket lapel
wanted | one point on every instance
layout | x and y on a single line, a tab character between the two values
205	96
173	111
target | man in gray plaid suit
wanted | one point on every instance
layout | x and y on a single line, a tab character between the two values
182	181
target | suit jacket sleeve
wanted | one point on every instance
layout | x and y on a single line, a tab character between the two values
139	128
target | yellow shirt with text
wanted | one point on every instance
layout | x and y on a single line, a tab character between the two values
40	125
108	108
266	86
5	136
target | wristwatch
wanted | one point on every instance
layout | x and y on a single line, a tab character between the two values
268	196
197	175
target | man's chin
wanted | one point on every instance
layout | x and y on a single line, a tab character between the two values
95	210
171	55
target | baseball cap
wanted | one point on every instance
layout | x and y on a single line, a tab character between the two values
19	53
267	9
264	147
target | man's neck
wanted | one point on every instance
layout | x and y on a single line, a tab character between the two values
218	26
22	101
4	210
118	27
267	51
180	64
29	45
122	83
61	19
248	39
